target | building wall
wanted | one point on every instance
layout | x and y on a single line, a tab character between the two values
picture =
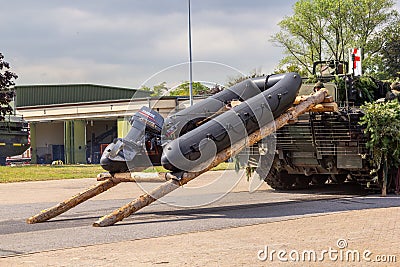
75	141
47	140
71	141
49	133
123	127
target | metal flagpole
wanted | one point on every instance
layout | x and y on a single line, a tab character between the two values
190	60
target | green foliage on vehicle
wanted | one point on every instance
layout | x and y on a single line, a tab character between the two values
382	127
365	88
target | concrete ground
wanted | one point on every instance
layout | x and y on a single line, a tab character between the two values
348	238
374	230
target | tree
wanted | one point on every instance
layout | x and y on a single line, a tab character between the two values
145	88
183	89
324	30
7	93
158	90
240	78
391	52
291	68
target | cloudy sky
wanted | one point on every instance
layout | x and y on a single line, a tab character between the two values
124	42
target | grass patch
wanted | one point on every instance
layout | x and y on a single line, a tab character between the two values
224	166
23	173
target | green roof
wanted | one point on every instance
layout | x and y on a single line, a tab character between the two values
42	95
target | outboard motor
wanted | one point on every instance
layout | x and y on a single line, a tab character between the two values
140	148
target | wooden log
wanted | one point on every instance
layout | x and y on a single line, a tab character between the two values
72	202
299	99
325	107
328	99
169	186
104	176
134	177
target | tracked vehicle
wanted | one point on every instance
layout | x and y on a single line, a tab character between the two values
320	146
317	147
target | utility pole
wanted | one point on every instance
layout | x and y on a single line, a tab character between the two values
190	59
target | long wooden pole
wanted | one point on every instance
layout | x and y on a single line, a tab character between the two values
134	177
169	186
73	201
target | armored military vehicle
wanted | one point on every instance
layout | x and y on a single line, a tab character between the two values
14	137
320	146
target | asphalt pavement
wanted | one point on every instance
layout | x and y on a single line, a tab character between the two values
237	208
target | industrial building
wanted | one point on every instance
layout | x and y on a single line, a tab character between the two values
75	122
